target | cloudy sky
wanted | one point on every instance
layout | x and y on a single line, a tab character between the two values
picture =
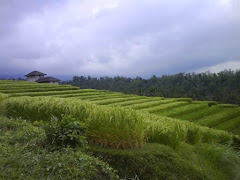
119	37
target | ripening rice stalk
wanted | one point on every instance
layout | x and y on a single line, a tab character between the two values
107	126
171	132
116	127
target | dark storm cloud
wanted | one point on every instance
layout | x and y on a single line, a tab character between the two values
119	37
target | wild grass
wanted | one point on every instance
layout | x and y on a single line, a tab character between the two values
218	118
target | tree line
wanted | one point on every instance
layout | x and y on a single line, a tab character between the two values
223	87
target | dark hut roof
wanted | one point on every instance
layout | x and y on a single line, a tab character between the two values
35	73
47	79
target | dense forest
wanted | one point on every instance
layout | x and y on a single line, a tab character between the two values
222	87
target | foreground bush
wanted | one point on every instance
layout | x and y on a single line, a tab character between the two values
23	157
65	132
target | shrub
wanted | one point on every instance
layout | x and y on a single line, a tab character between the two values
64	132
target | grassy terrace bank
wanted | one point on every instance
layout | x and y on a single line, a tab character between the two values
26	155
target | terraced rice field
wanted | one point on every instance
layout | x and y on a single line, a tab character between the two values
224	117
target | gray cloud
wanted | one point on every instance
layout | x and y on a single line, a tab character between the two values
118	37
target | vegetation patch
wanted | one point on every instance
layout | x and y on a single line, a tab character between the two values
155	161
23	156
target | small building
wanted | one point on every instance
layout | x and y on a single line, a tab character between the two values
37	76
34	76
50	80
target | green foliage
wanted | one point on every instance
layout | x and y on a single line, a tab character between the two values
65	132
23	157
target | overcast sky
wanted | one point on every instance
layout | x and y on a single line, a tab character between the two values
119	37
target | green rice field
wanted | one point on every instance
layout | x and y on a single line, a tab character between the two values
205	113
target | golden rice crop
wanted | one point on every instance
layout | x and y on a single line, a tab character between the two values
112	127
115	126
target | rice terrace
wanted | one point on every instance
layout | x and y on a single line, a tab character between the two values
62	129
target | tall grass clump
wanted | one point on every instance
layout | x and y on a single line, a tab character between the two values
106	126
